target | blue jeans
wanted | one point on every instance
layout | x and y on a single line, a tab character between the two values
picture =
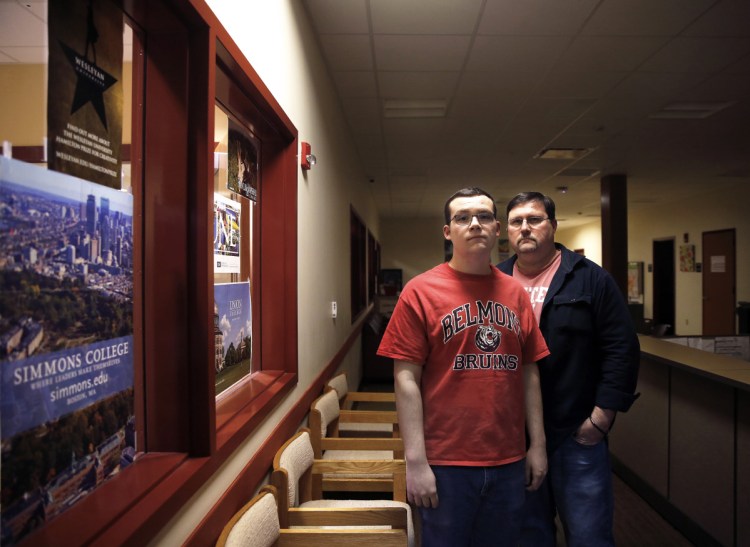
477	506
579	488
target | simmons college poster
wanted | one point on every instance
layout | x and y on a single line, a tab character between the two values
233	330
66	341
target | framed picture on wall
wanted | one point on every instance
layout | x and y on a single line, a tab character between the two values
635	281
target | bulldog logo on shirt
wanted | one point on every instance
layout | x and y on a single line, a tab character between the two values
487	338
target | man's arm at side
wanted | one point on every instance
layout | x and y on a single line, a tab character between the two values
536	457
620	354
421	488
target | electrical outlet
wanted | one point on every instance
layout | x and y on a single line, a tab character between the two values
334	309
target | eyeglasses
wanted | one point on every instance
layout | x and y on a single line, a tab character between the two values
464	219
533	222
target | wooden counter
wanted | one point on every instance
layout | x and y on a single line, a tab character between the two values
685	443
721	368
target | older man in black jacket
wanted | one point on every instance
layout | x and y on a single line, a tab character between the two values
590	375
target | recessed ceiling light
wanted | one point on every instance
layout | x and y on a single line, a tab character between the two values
562	153
689	111
415	108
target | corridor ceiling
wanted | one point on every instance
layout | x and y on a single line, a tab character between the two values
441	94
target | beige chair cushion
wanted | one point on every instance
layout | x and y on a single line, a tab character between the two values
258	527
296	459
328	406
340	385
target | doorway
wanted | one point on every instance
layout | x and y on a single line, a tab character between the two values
719	282
664	285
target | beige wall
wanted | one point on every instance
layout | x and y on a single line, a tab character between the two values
411	245
587	237
25	87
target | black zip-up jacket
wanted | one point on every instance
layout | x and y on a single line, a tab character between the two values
595	352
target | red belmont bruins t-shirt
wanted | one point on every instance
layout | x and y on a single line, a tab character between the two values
472	334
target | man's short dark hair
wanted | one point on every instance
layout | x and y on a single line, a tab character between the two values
467	193
526	197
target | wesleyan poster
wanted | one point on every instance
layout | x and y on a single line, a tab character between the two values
85	92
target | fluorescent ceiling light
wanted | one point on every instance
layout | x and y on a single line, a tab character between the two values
562	153
415	108
689	111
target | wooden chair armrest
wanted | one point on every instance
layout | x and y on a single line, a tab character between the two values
361	443
374	397
369	416
341	538
396	517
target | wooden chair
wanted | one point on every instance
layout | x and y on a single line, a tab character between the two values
363	425
257	525
295	470
325	420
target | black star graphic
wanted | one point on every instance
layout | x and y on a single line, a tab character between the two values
92	82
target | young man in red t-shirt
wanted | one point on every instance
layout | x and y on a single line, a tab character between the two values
465	344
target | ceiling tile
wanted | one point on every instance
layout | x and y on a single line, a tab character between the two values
580	84
535	17
491	95
725	86
556	108
362	112
358	84
347	52
726	18
417	85
20	26
644	17
697	54
420	53
515	53
741	66
336	16
608	53
370	143
424	16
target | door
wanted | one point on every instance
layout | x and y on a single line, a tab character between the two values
664	282
719	282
